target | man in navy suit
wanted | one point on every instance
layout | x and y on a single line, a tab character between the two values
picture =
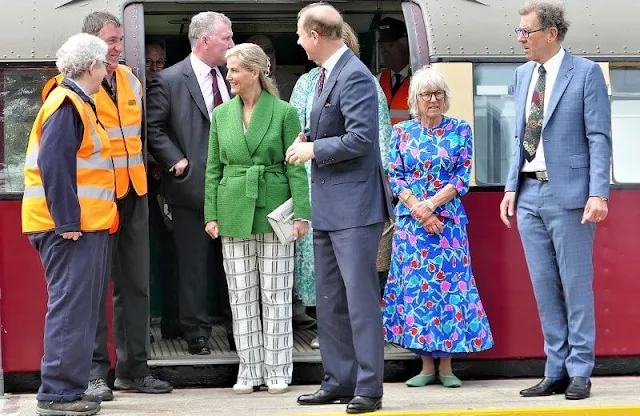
559	181
349	207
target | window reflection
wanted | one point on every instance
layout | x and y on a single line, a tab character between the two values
19	104
625	123
494	108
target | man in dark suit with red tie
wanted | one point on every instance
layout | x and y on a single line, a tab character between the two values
181	100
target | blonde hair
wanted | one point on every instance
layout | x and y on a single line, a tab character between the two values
427	79
253	58
350	38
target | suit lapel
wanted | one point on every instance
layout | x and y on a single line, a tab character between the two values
231	127
523	92
260	121
320	101
562	81
194	88
223	72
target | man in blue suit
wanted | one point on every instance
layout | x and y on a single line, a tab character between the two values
559	180
349	207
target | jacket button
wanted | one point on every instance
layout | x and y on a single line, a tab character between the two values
322	181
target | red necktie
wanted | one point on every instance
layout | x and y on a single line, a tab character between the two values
321	81
217	97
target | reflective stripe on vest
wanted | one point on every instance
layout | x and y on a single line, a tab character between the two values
398	104
123	123
95	172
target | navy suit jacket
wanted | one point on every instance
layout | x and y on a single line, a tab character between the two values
576	132
347	178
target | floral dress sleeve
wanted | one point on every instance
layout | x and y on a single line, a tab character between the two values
384	121
461	173
302	97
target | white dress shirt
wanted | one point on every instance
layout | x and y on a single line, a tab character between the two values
205	80
332	61
552	66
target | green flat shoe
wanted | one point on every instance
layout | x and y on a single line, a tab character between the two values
450	381
421	380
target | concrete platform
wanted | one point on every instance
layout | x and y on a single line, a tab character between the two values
611	396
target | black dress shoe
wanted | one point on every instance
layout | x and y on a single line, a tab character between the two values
546	387
324	397
579	388
363	404
199	346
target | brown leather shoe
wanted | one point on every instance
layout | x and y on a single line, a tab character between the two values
546	387
579	388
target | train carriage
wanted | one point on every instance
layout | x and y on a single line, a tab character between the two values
472	43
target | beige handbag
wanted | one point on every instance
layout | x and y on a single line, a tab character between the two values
281	220
383	262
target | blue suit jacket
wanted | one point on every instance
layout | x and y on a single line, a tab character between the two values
347	178
576	132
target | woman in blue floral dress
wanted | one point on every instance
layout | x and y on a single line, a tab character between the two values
431	304
302	100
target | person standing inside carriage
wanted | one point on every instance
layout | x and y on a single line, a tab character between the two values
431	304
68	208
559	182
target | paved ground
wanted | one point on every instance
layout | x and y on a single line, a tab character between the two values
471	399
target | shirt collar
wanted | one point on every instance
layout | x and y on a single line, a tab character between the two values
77	88
554	63
404	72
200	68
333	59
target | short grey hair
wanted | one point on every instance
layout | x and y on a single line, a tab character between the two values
94	22
550	14
78	53
205	24
427	79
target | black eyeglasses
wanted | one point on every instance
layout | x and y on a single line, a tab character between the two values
526	33
426	96
105	63
158	64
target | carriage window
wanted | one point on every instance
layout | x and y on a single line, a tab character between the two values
19	104
494	108
625	123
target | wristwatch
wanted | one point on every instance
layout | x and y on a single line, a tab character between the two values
430	205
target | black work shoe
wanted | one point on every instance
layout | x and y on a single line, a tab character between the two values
323	397
579	388
199	346
78	407
146	384
98	389
363	404
546	387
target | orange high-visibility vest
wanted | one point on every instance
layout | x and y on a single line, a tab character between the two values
123	123
95	172
398	103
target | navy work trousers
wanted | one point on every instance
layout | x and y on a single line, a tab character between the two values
74	271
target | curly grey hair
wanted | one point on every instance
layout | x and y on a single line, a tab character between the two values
205	24
550	14
78	53
427	79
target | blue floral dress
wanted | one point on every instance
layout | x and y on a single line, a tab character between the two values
431	303
304	285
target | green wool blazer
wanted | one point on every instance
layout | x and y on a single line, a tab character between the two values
247	176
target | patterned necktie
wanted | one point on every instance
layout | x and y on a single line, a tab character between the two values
533	129
217	97
320	82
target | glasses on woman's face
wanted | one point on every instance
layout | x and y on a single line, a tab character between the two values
105	63
426	96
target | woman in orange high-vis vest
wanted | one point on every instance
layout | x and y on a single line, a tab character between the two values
68	210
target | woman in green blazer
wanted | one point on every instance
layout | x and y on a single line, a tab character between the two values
246	179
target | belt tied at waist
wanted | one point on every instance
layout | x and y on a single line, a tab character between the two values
255	186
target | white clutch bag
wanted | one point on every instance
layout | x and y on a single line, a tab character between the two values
281	220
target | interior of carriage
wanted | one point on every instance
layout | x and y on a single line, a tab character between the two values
167	24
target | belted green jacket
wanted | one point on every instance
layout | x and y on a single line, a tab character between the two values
247	176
